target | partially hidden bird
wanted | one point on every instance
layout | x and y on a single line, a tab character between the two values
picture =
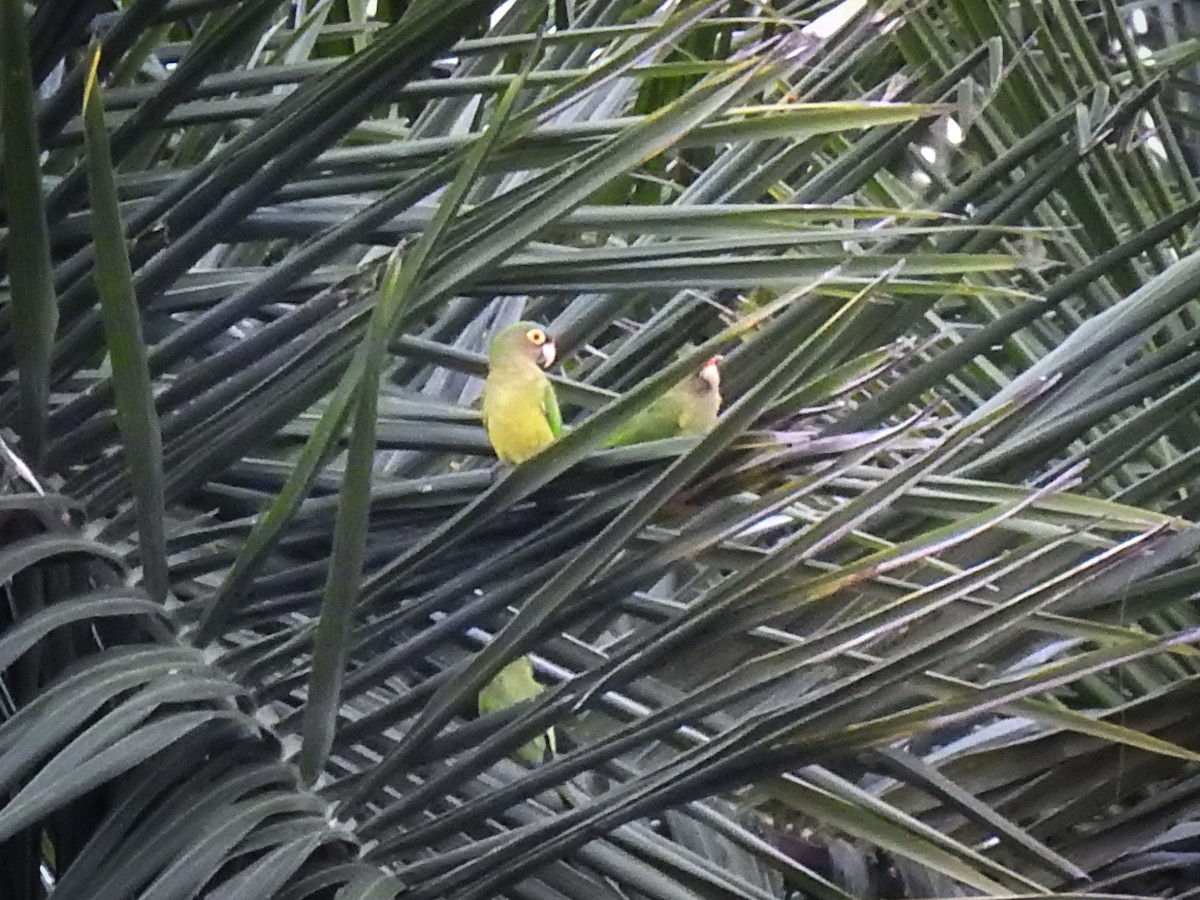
520	410
512	685
688	408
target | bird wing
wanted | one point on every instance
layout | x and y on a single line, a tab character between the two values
661	419
550	408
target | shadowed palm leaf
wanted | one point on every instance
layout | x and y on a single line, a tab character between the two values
913	619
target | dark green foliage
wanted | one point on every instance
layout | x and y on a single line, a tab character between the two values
914	618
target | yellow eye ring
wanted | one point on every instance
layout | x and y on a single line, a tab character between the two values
536	336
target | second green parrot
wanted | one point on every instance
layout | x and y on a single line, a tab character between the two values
520	410
690	407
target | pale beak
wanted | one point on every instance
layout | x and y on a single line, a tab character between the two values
546	356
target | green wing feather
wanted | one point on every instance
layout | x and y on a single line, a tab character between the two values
550	408
661	419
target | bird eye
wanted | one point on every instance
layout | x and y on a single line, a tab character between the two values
536	336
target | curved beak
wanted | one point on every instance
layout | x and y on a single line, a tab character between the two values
711	374
547	355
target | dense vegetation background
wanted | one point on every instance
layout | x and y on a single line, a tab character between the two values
916	619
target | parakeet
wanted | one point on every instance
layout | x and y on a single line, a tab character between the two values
690	407
520	411
512	684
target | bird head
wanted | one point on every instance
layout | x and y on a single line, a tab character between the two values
523	340
709	376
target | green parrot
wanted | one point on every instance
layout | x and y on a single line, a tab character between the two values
690	407
512	684
520	411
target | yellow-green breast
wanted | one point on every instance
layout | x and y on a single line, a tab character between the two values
514	413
